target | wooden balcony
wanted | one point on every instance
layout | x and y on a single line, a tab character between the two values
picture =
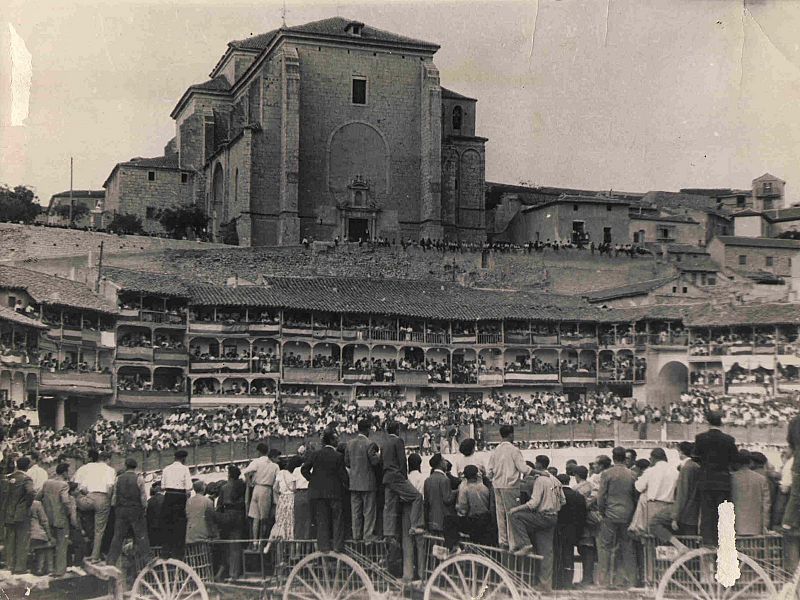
225	399
579	340
138	353
211	366
578	378
166	357
544	340
350	334
53	382
522	339
383	335
151	398
528	377
485	339
465	338
304	330
264	327
357	377
311	375
493	379
412	378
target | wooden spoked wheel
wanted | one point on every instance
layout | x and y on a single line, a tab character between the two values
168	579
691	577
328	576
469	576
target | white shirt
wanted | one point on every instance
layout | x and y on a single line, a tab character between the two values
658	482
300	482
96	477
39	476
417	479
786	472
176	477
263	469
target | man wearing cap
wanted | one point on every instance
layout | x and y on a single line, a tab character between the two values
260	474
176	481
716	452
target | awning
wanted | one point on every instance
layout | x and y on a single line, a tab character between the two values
788	359
748	362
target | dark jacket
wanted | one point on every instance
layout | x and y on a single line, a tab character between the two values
17	497
440	500
393	453
326	474
615	499
716	452
686	508
361	457
572	515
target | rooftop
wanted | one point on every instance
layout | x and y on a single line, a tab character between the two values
81	194
336	27
579	199
48	289
758	242
641	288
157	284
447	93
745	314
9	314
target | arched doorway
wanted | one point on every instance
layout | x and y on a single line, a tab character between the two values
673	380
217	198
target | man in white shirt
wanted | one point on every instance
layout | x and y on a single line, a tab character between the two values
176	481
505	468
96	479
658	484
36	473
260	475
415	475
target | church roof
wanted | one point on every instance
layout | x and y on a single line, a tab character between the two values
215	84
447	93
332	27
768	177
641	288
163	162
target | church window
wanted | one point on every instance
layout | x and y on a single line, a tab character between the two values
458	115
151	176
150	212
184	177
358	199
359	90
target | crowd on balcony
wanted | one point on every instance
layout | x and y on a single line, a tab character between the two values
738	375
166	342
578	368
230	353
624	368
17	353
465	372
52	364
788	373
708	377
318	361
134	340
141	382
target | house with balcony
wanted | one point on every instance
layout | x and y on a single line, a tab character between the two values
19	360
75	345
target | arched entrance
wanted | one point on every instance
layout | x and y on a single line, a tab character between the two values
673	380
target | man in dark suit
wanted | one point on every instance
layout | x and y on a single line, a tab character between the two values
571	519
327	483
59	507
17	494
715	452
682	517
397	487
440	498
361	456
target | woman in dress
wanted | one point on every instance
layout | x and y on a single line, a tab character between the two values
284	511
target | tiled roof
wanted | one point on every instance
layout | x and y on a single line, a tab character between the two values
678	200
700	264
447	93
164	162
81	194
578	199
334	27
9	314
685	249
147	283
768	177
745	314
217	84
783	214
408	298
763	277
662	218
667	312
640	288
748	212
758	242
48	289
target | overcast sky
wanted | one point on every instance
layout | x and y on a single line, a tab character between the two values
625	94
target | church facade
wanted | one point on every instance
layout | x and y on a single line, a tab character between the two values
324	130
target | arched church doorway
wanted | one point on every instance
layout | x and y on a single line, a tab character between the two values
673	380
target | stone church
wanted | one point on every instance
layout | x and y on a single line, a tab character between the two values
323	130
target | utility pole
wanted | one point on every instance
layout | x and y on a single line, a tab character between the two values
71	201
99	268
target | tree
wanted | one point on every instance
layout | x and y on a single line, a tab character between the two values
125	223
78	211
18	204
178	222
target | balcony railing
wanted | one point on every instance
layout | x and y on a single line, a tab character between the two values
544	340
523	339
465	338
438	338
264	327
528	377
311	375
352	334
75	381
578	340
208	366
223	399
388	335
134	353
165	356
670	339
490	379
578	377
151	397
353	376
412	336
489	338
298	330
402	377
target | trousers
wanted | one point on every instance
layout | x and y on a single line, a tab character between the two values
132	518
61	537
363	510
529	527
395	493
504	499
709	515
615	554
330	524
18	539
102	508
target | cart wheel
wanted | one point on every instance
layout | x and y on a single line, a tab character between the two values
691	577
168	579
328	576
469	576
